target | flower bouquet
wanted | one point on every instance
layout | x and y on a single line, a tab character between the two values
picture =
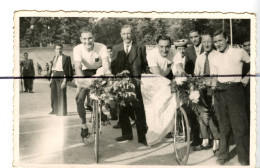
188	89
119	88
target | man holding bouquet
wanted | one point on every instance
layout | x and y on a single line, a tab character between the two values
130	56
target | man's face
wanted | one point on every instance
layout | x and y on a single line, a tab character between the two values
207	42
87	39
126	35
246	46
220	42
195	38
25	56
58	50
164	47
181	50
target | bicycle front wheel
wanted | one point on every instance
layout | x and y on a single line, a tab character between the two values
96	130
181	136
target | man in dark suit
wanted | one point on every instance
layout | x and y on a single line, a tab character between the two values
27	71
131	56
60	73
195	50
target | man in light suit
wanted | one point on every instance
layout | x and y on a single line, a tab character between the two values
196	49
131	56
60	73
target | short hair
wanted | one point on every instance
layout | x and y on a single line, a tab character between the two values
25	53
127	26
109	47
220	31
163	37
58	44
206	32
86	30
194	30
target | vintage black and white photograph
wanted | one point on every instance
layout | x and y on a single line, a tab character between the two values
137	89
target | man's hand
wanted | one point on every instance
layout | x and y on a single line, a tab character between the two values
63	85
245	80
50	82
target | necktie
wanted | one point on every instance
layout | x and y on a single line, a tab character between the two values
126	48
206	65
55	61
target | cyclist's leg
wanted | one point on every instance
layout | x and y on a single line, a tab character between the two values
80	99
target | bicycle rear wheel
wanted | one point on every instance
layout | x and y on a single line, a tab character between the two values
96	130
181	136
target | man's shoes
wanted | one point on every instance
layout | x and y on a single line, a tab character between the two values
52	112
26	91
124	138
195	143
221	161
244	163
31	91
169	135
117	126
84	133
201	147
143	142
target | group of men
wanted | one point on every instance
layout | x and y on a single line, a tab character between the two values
210	55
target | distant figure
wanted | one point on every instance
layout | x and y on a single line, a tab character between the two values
61	73
47	68
39	68
27	71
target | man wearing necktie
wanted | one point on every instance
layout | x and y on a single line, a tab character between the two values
131	56
61	72
206	116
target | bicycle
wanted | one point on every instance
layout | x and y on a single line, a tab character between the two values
181	135
95	126
96	122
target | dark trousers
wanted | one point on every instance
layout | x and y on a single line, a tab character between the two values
193	122
247	95
210	127
231	114
125	112
58	95
28	79
80	98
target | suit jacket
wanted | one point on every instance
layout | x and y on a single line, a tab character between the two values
191	53
135	61
67	67
189	66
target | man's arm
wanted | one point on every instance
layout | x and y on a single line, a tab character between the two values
246	59
144	60
155	70
105	62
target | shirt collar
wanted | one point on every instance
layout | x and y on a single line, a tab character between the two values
198	48
130	44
